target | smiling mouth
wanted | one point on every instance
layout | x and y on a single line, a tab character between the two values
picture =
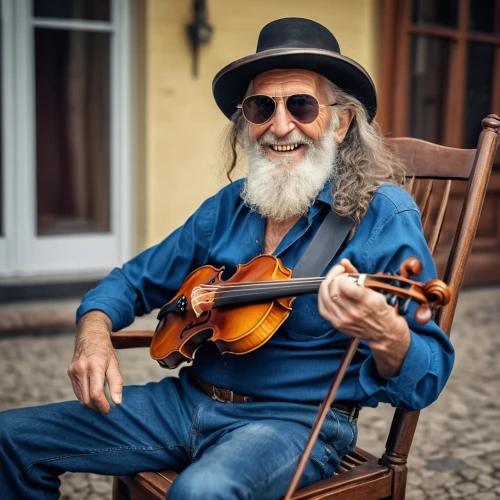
284	148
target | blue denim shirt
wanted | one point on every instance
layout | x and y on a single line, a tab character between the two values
299	361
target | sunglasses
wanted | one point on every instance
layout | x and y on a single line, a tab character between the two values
259	109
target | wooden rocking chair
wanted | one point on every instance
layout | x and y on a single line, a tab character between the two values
434	172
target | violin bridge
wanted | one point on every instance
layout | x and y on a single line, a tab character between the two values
201	300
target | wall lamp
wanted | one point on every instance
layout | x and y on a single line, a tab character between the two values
199	31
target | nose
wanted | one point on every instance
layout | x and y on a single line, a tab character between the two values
282	122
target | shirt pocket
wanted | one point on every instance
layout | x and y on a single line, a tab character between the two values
305	322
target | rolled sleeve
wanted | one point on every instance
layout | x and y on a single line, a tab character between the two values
402	390
115	296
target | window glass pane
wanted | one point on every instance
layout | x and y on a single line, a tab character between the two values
478	91
440	12
484	16
429	80
90	10
72	131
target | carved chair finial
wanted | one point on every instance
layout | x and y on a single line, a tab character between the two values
491	122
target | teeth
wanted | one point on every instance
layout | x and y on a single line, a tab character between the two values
284	147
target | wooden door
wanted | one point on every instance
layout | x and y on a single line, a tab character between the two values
440	77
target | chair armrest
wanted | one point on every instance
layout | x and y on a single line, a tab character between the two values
127	339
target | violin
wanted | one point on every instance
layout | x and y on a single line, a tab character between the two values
243	312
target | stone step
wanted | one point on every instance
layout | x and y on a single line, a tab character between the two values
38	316
51	316
43	288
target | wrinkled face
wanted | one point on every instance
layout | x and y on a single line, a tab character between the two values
280	83
289	162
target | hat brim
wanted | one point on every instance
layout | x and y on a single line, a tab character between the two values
231	83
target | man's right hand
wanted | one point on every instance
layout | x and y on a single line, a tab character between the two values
94	361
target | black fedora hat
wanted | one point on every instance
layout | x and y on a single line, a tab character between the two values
294	43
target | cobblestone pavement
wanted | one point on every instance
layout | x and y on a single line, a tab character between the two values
456	451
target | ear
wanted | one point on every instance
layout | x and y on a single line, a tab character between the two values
345	120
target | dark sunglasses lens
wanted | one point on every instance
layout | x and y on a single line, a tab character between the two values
258	108
304	108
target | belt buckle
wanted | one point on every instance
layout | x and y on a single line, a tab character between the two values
217	397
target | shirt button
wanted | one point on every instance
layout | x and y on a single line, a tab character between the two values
257	241
224	363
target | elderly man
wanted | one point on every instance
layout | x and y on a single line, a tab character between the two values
302	114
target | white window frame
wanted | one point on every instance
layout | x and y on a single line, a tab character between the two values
7	243
23	252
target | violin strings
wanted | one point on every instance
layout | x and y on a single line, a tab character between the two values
251	289
220	290
256	286
239	291
262	285
265	282
247	292
296	281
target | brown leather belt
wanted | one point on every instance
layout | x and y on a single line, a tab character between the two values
227	396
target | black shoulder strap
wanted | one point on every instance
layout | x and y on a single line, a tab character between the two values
323	247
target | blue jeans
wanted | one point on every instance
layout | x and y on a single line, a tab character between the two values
221	450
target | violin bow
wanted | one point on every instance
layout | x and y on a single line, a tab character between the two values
434	294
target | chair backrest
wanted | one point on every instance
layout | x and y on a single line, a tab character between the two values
435	172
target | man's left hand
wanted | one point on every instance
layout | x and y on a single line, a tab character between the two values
364	314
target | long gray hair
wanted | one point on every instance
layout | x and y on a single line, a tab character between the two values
364	162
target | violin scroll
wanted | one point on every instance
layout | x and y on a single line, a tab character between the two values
437	293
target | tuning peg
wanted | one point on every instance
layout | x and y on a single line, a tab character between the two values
392	300
404	306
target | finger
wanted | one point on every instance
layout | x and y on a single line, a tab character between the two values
115	381
350	288
327	307
76	387
98	401
83	383
361	304
348	266
334	292
324	296
79	380
335	271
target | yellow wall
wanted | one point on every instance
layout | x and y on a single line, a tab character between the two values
183	124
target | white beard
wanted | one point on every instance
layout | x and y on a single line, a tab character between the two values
277	189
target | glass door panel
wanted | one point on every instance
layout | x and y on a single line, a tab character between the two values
440	13
429	68
72	82
484	16
478	97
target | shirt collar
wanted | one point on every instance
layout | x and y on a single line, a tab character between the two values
325	194
325	197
